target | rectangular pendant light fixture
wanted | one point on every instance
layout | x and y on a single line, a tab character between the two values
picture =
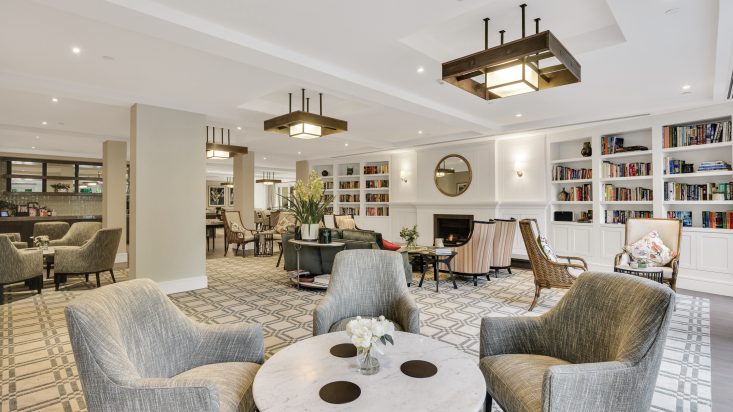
302	124
221	151
515	67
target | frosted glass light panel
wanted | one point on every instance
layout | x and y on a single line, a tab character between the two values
514	78
305	131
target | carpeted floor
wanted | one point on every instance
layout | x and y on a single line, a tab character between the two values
38	371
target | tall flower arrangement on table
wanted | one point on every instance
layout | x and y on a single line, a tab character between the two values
409	235
367	334
308	204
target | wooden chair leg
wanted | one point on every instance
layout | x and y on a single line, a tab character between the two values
86	277
2	294
279	258
39	286
226	248
112	273
509	269
487	406
536	295
98	284
56	281
475	280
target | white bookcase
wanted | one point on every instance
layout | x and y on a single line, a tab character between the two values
360	188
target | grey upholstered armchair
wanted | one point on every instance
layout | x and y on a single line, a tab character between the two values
366	283
95	256
78	234
136	351
54	230
598	349
19	266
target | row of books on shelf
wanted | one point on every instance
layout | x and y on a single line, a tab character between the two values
568	173
377	184
626	169
621	216
684	216
350	211
703	133
615	194
328	198
611	144
328	185
378	211
351	184
705	191
349	198
376	170
377	197
718	220
713	165
582	193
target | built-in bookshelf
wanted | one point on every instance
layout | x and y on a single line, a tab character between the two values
357	188
698	180
571	184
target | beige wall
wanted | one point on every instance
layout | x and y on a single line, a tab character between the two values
167	242
114	196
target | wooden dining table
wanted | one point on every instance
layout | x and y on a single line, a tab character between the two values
211	226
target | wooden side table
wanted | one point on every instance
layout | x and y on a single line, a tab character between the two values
436	260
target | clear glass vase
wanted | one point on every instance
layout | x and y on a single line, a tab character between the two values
368	363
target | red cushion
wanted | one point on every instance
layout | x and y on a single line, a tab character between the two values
389	245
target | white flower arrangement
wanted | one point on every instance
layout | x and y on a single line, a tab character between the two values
365	333
40	241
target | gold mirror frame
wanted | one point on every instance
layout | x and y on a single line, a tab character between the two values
438	166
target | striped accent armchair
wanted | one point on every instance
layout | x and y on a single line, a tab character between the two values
473	258
501	257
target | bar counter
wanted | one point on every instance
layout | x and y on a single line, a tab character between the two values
24	224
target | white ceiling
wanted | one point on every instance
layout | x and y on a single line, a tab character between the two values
236	61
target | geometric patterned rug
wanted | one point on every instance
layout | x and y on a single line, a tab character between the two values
37	367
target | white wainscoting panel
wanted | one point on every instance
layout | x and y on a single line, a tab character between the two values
713	252
612	242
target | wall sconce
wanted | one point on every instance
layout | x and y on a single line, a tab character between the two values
403	175
520	173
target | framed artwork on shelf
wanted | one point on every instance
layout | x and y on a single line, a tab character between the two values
216	196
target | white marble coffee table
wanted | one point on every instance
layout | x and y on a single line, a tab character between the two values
293	377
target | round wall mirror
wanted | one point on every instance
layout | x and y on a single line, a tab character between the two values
453	175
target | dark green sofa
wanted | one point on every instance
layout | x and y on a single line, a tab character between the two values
319	261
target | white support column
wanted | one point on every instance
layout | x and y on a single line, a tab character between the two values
244	187
167	177
114	196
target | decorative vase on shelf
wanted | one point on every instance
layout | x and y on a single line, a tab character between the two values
368	363
563	196
586	151
309	231
324	173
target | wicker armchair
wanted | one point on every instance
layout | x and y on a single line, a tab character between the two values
235	231
16	240
19	266
473	258
548	273
78	234
501	257
670	231
95	256
54	230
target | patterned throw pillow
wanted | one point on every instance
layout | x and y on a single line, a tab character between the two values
651	249
285	220
347	223
546	248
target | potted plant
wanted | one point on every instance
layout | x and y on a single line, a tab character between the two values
60	187
409	236
309	205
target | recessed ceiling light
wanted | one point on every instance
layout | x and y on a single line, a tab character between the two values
264	158
299	153
518	115
55	100
346	144
33	147
38	137
76	50
419	132
420	69
44	123
686	87
239	127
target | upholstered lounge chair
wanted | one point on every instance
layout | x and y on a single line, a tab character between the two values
548	273
95	256
16	240
670	231
501	256
136	351
235	231
473	258
19	266
599	349
54	230
78	234
366	283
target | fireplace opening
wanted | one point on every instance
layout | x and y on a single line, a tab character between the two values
453	229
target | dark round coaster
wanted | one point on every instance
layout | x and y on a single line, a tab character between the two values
418	369
339	392
344	350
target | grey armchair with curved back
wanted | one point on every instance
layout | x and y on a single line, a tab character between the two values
54	230
19	265
598	349
366	283
16	240
78	234
95	256
136	351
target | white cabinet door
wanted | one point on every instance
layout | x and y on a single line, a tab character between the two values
714	252
612	243
687	251
580	241
561	239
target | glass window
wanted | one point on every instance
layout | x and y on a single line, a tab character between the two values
27	168
25	185
90	171
60	169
